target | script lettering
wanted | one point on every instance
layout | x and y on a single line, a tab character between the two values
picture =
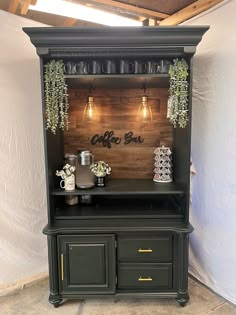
109	138
128	138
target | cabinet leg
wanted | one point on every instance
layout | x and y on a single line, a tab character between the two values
182	299
55	300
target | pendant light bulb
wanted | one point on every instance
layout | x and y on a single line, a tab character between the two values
144	112
90	113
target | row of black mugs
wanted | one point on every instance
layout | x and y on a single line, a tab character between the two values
112	67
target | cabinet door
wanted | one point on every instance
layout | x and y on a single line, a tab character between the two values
87	264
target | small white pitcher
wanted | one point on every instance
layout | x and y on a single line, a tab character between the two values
68	183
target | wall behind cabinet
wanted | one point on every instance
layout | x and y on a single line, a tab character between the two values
213	215
23	251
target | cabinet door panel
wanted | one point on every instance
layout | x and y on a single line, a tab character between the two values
87	264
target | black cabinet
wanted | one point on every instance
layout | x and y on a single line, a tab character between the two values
132	239
87	263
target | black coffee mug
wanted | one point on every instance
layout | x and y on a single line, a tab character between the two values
109	66
140	67
126	66
153	67
80	67
69	67
95	67
164	66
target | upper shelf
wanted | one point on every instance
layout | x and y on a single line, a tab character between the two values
119	80
127	187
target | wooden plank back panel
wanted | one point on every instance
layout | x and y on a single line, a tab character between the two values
117	112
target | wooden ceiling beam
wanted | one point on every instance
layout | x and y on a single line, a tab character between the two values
190	11
24	6
69	22
150	22
13	6
133	8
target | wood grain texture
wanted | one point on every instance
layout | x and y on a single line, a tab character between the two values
24	6
117	109
13	6
150	22
134	8
190	11
69	22
165	6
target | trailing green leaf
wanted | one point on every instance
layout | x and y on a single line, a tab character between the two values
56	96
178	93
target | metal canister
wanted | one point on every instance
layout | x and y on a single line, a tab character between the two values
71	159
84	176
86	158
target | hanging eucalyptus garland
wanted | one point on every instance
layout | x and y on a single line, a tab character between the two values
178	98
56	96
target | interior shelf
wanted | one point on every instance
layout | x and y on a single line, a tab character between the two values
120	208
119	80
126	187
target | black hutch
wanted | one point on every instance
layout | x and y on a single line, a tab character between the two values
132	241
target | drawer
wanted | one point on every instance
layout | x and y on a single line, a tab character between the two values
144	276
144	249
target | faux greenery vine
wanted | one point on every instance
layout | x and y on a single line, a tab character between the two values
56	96
178	98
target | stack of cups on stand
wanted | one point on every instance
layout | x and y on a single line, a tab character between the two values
163	165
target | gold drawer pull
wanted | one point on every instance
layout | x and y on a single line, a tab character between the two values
145	279
149	250
62	267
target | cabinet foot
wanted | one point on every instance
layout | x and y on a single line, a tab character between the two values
55	300
182	299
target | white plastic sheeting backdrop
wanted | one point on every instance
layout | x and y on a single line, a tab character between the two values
213	213
23	251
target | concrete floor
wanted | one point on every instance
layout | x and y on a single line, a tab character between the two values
34	301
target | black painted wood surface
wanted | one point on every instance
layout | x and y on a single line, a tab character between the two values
88	263
144	276
127	187
116	41
145	249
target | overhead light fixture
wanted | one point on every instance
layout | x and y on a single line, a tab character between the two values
144	112
90	111
81	12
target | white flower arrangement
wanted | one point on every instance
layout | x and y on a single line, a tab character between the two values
100	169
67	171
